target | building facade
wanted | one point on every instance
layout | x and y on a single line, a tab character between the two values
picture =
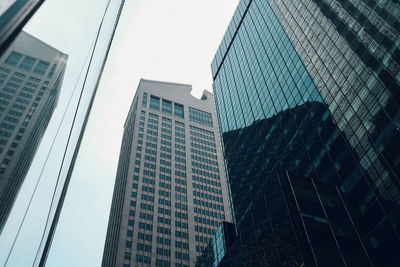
311	89
170	190
278	209
31	74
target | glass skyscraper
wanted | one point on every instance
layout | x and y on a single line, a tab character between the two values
170	192
309	90
31	75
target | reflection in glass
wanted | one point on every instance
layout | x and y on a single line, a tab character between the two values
37	208
299	94
27	101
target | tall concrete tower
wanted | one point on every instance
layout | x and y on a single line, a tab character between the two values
170	192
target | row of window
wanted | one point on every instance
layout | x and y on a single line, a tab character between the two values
206	221
202	239
207	188
144	236
204	173
200	116
206	181
14	59
207	196
208	213
204	154
208	204
203	166
159	262
180	181
166	105
203	147
200	132
204	230
201	141
204	160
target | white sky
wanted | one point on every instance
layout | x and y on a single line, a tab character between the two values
172	40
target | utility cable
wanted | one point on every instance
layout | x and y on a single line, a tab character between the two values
70	135
77	147
90	53
47	156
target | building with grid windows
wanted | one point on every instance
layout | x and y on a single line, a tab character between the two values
31	74
310	90
170	191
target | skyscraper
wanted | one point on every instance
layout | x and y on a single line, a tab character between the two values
311	89
170	190
31	74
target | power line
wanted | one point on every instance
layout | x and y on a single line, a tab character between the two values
65	187
77	147
47	156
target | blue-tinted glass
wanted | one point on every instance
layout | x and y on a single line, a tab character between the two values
304	86
154	102
144	100
51	72
178	110
14	58
166	106
199	116
27	63
41	67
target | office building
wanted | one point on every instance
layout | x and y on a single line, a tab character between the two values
14	14
273	202
310	90
170	191
31	74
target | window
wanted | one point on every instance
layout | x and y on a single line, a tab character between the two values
144	100
41	67
27	63
180	255
51	72
162	263
144	259
163	240
154	102
13	58
180	244
127	255
162	230
144	236
178	110
143	247
167	106
199	116
163	251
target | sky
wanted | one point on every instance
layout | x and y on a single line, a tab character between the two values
173	41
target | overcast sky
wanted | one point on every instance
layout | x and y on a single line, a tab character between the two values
172	40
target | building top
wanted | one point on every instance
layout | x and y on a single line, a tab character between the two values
179	93
32	46
173	88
